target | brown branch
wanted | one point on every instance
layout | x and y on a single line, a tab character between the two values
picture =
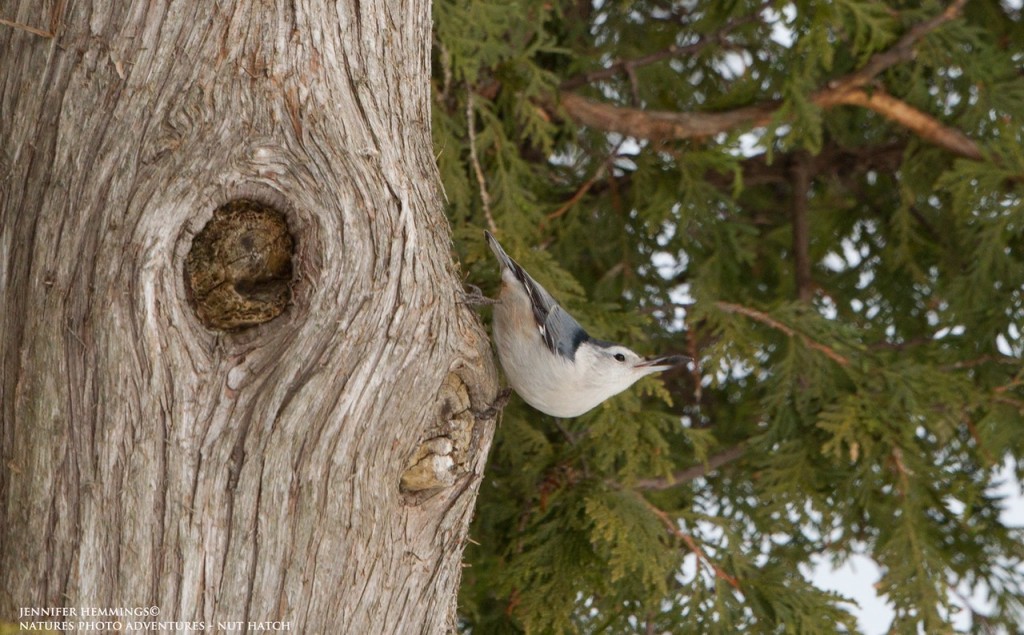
24	27
919	122
978	361
1014	383
485	197
661	125
657	124
673	528
848	90
900	346
766	319
575	198
583	189
834	161
898	466
1016	403
901	51
684	476
985	454
629	66
624	65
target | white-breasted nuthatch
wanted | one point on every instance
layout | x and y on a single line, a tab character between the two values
549	360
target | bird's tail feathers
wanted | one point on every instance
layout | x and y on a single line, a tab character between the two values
505	260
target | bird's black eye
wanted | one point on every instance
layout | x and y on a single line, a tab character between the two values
620	357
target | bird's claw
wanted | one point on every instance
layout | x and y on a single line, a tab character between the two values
496	406
476	297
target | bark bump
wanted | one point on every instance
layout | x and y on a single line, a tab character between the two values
239	269
445	456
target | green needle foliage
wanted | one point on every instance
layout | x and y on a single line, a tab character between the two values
820	202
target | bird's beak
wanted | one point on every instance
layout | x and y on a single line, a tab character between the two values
656	364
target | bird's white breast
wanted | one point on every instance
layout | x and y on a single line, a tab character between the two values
547	381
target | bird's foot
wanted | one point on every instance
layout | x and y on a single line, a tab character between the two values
476	297
496	406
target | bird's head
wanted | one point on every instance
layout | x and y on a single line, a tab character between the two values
611	368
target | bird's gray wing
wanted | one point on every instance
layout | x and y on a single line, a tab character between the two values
559	330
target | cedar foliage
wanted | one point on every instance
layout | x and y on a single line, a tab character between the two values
850	282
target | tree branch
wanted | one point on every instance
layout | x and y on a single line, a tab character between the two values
673	528
919	122
659	125
987	457
485	197
684	476
901	51
583	189
848	90
764	318
629	66
833	161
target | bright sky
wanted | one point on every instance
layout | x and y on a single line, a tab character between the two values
856	578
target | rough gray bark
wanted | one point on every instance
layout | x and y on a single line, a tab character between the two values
247	476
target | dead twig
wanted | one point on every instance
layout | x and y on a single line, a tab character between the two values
674	529
766	319
485	197
583	189
901	51
24	27
684	476
985	454
630	66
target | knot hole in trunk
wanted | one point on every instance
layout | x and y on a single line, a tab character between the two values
239	270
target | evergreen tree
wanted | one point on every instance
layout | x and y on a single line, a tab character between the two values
820	202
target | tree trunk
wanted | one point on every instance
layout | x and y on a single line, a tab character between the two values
231	473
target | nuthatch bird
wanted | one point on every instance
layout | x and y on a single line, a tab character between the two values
550	361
